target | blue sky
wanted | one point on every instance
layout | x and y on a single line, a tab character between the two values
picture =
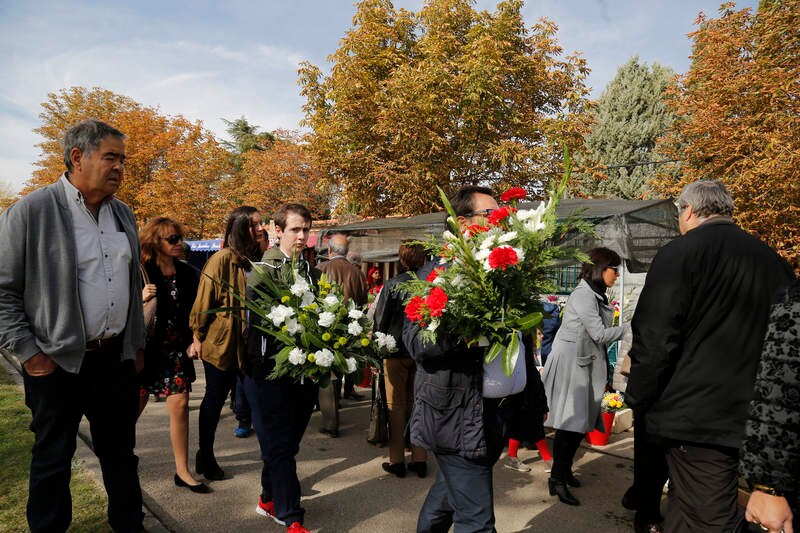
211	60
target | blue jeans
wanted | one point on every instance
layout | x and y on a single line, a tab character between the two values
219	384
281	410
106	392
241	407
463	495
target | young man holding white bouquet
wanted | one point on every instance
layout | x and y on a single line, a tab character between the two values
281	407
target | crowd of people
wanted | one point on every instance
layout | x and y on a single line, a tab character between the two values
713	382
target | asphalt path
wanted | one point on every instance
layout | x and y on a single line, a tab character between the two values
345	489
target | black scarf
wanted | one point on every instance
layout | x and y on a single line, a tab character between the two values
599	287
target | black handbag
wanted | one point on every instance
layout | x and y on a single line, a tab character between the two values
378	413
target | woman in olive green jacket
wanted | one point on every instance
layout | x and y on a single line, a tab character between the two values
219	336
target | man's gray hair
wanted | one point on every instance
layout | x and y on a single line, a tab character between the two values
339	248
86	136
707	198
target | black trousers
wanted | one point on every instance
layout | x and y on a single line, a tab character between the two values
649	471
463	493
219	384
704	488
281	410
565	445
106	392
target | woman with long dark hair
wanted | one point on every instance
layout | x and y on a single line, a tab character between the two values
168	369
219	336
576	372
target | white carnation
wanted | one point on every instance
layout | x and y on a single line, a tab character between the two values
307	299
293	326
352	366
324	358
297	356
386	341
331	299
448	236
299	286
520	254
326	319
507	237
433	325
482	254
355	313
354	328
488	242
279	313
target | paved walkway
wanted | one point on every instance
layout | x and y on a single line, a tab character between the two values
345	489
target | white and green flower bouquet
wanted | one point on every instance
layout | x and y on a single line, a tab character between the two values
318	331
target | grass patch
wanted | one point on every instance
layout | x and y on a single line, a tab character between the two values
88	499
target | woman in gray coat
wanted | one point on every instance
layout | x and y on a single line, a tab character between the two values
576	372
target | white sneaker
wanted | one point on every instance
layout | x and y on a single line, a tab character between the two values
515	464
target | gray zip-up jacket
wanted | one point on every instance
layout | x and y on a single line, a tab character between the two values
40	307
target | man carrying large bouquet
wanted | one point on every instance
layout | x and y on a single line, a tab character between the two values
451	418
281	407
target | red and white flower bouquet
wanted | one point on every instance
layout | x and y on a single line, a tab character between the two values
492	276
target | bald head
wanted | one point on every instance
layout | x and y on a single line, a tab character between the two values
337	244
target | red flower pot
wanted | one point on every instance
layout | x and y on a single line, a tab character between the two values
600	438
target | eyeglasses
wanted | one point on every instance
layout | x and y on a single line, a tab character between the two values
172	239
481	213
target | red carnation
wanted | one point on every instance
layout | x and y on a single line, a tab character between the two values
496	216
434	274
503	256
436	301
514	193
414	309
477	228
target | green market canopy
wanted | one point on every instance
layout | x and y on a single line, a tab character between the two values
635	229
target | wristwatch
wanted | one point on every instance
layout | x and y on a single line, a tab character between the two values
766	489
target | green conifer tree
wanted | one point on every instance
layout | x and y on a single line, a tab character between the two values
618	154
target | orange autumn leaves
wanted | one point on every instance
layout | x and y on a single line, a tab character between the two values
177	168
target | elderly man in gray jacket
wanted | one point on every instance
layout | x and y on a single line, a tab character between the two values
71	312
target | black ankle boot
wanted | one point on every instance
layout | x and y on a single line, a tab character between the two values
398	469
207	466
572	481
559	488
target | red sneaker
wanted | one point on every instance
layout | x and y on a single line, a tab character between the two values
268	509
297	527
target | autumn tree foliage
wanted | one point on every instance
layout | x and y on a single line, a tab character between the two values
738	117
6	196
284	172
619	156
443	97
174	167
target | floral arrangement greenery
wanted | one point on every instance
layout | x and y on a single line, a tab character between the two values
612	402
492	276
319	331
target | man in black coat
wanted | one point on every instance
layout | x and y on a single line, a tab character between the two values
697	335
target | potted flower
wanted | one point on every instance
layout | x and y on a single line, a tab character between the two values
611	403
